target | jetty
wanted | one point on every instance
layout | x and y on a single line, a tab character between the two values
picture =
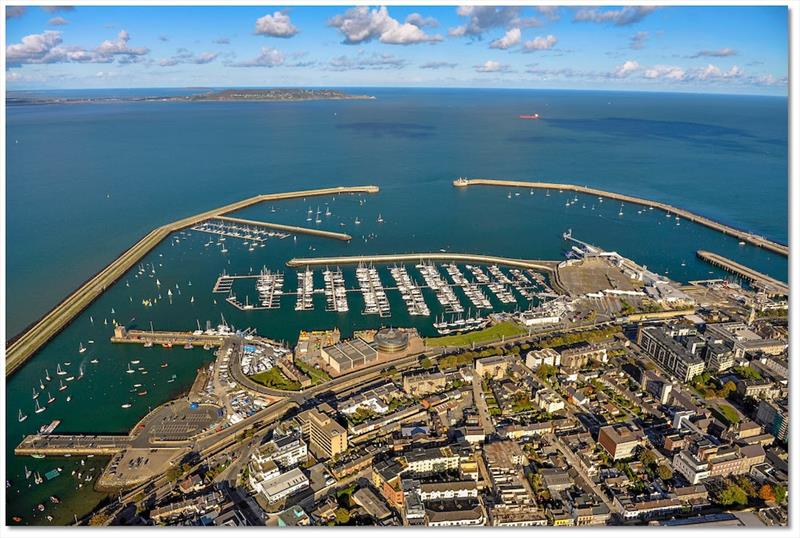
27	343
165	338
764	282
747	237
286	228
74	445
419	257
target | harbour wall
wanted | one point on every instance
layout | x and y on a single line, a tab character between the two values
747	237
542	265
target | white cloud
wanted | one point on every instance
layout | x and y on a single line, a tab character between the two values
541	43
511	38
362	25
269	57
183	56
55	9
418	20
491	66
638	39
720	53
626	68
711	72
47	48
669	72
438	65
276	25
222	41
619	17
483	18
120	47
363	62
58	21
551	12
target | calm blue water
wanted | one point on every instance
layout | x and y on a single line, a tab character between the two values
86	181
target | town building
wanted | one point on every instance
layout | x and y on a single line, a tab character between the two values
325	436
620	440
669	354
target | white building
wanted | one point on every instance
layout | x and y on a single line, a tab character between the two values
448	490
534	359
283	485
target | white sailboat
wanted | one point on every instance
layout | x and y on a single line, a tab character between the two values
39	408
59	371
129	370
81	348
50	399
22	417
61	386
35	394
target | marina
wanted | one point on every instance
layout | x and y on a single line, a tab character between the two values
410	292
335	291
375	300
38	334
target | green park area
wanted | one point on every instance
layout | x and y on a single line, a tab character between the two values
506	329
273	378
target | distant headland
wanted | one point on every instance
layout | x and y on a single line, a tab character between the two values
229	95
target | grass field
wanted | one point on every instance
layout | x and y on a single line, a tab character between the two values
729	413
495	332
317	375
275	379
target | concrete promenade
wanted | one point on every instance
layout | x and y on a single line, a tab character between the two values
38	334
764	281
753	239
542	265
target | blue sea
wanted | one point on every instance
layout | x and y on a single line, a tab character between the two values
85	181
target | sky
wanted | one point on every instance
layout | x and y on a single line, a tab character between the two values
716	49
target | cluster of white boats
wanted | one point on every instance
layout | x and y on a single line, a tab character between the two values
471	289
375	300
499	286
64	377
270	288
410	292
444	293
335	291
252	235
305	290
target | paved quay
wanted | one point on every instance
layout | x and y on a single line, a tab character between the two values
542	265
766	282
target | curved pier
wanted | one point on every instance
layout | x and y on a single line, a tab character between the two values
542	265
38	334
753	239
766	282
288	228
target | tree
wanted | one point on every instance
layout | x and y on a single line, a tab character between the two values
766	493
647	458
342	516
173	474
727	389
780	493
747	486
732	494
664	472
426	363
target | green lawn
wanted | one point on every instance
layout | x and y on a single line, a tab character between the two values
729	413
275	379
495	332
317	375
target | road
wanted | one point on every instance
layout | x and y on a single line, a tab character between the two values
479	399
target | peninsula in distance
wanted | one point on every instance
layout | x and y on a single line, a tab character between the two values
406	266
228	95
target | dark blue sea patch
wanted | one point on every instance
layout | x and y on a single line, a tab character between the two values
402	130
